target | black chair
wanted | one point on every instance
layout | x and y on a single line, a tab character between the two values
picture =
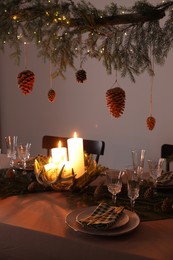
167	153
94	147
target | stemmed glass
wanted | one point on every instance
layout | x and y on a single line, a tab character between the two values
11	146
155	169
138	158
133	185
24	154
114	183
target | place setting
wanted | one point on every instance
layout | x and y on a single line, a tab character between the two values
121	215
107	218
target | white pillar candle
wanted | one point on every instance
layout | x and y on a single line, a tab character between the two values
51	171
67	169
76	155
59	154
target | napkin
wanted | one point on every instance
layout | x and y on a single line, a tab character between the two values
166	179
103	217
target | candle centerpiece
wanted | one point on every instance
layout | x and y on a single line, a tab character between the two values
73	172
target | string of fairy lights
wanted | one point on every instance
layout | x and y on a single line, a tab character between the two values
63	32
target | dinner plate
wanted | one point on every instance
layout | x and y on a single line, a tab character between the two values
121	221
130	225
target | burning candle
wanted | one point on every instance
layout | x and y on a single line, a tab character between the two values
51	171
76	155
67	169
59	154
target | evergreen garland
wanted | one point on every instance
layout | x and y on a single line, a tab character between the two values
120	37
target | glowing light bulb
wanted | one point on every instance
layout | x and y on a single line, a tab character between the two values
14	17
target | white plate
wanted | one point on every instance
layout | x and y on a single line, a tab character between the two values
121	221
131	225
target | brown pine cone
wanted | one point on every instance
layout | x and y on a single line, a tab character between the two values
151	121
99	192
149	193
115	98
81	76
166	205
26	81
51	95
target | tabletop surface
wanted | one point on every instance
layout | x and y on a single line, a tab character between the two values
33	225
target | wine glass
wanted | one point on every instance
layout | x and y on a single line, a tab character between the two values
114	182
133	185
155	169
138	158
11	146
24	154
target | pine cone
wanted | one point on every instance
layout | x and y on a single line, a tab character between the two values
51	95
81	75
166	205
10	173
151	121
115	98
33	186
26	81
149	193
99	192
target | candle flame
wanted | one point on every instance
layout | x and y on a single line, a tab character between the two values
75	135
59	144
50	159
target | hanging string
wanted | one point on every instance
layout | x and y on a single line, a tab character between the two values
116	79
81	52
51	92
151	83
25	55
50	71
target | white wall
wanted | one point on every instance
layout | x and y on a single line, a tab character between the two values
82	107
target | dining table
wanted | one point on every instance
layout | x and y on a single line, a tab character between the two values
43	225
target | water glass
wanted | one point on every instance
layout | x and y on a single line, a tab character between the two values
24	153
11	146
138	158
133	185
114	182
155	169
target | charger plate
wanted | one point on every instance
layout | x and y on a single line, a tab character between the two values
124	229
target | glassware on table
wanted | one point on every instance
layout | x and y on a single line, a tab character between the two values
24	154
114	182
138	158
155	169
133	184
11	146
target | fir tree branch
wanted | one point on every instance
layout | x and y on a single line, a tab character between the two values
121	40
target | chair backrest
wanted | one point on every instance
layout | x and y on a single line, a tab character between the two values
167	152
94	147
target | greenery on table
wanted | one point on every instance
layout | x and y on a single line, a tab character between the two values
18	183
147	208
123	38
